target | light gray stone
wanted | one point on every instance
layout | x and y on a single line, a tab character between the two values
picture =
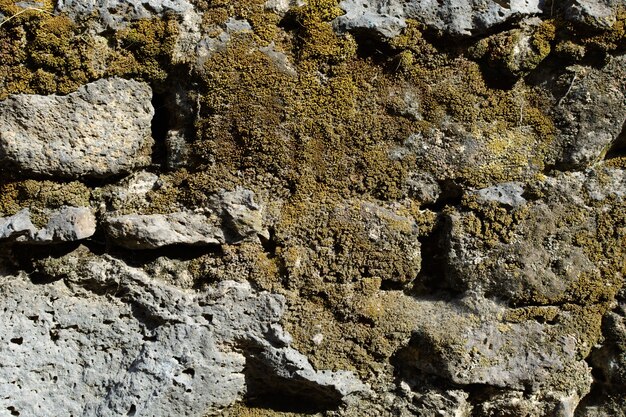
17	225
600	14
66	224
108	340
103	129
387	18
509	194
281	7
591	113
117	14
150	231
229	216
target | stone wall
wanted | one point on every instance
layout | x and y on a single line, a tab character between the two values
322	207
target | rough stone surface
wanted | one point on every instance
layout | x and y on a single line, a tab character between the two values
596	13
67	224
452	17
131	359
118	13
102	129
230	216
538	255
591	113
509	194
355	208
469	343
149	231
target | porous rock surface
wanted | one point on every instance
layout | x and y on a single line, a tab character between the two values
134	345
102	129
453	17
66	224
333	208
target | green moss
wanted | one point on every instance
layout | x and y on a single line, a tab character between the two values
43	54
41	194
144	49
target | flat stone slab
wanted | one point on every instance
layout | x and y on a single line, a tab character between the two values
67	224
101	130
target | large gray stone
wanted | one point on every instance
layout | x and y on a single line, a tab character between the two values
229	216
103	129
600	14
470	341
591	113
118	13
150	231
108	341
66	224
452	17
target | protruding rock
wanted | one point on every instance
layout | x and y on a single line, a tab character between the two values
452	17
108	340
17	225
116	14
600	14
540	251
509	194
591	113
242	215
103	129
66	224
150	231
472	342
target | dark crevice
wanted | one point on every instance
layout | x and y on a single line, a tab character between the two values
390	285
267	390
618	147
451	195
160	126
17	340
432	271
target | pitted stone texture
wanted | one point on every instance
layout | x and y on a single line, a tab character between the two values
591	113
469	341
150	231
451	17
242	215
600	14
537	256
109	341
118	13
229	216
509	194
103	129
17	225
67	224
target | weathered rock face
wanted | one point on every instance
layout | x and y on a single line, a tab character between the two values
103	129
66	224
156	230
537	252
472	343
592	112
452	17
145	347
118	13
343	208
